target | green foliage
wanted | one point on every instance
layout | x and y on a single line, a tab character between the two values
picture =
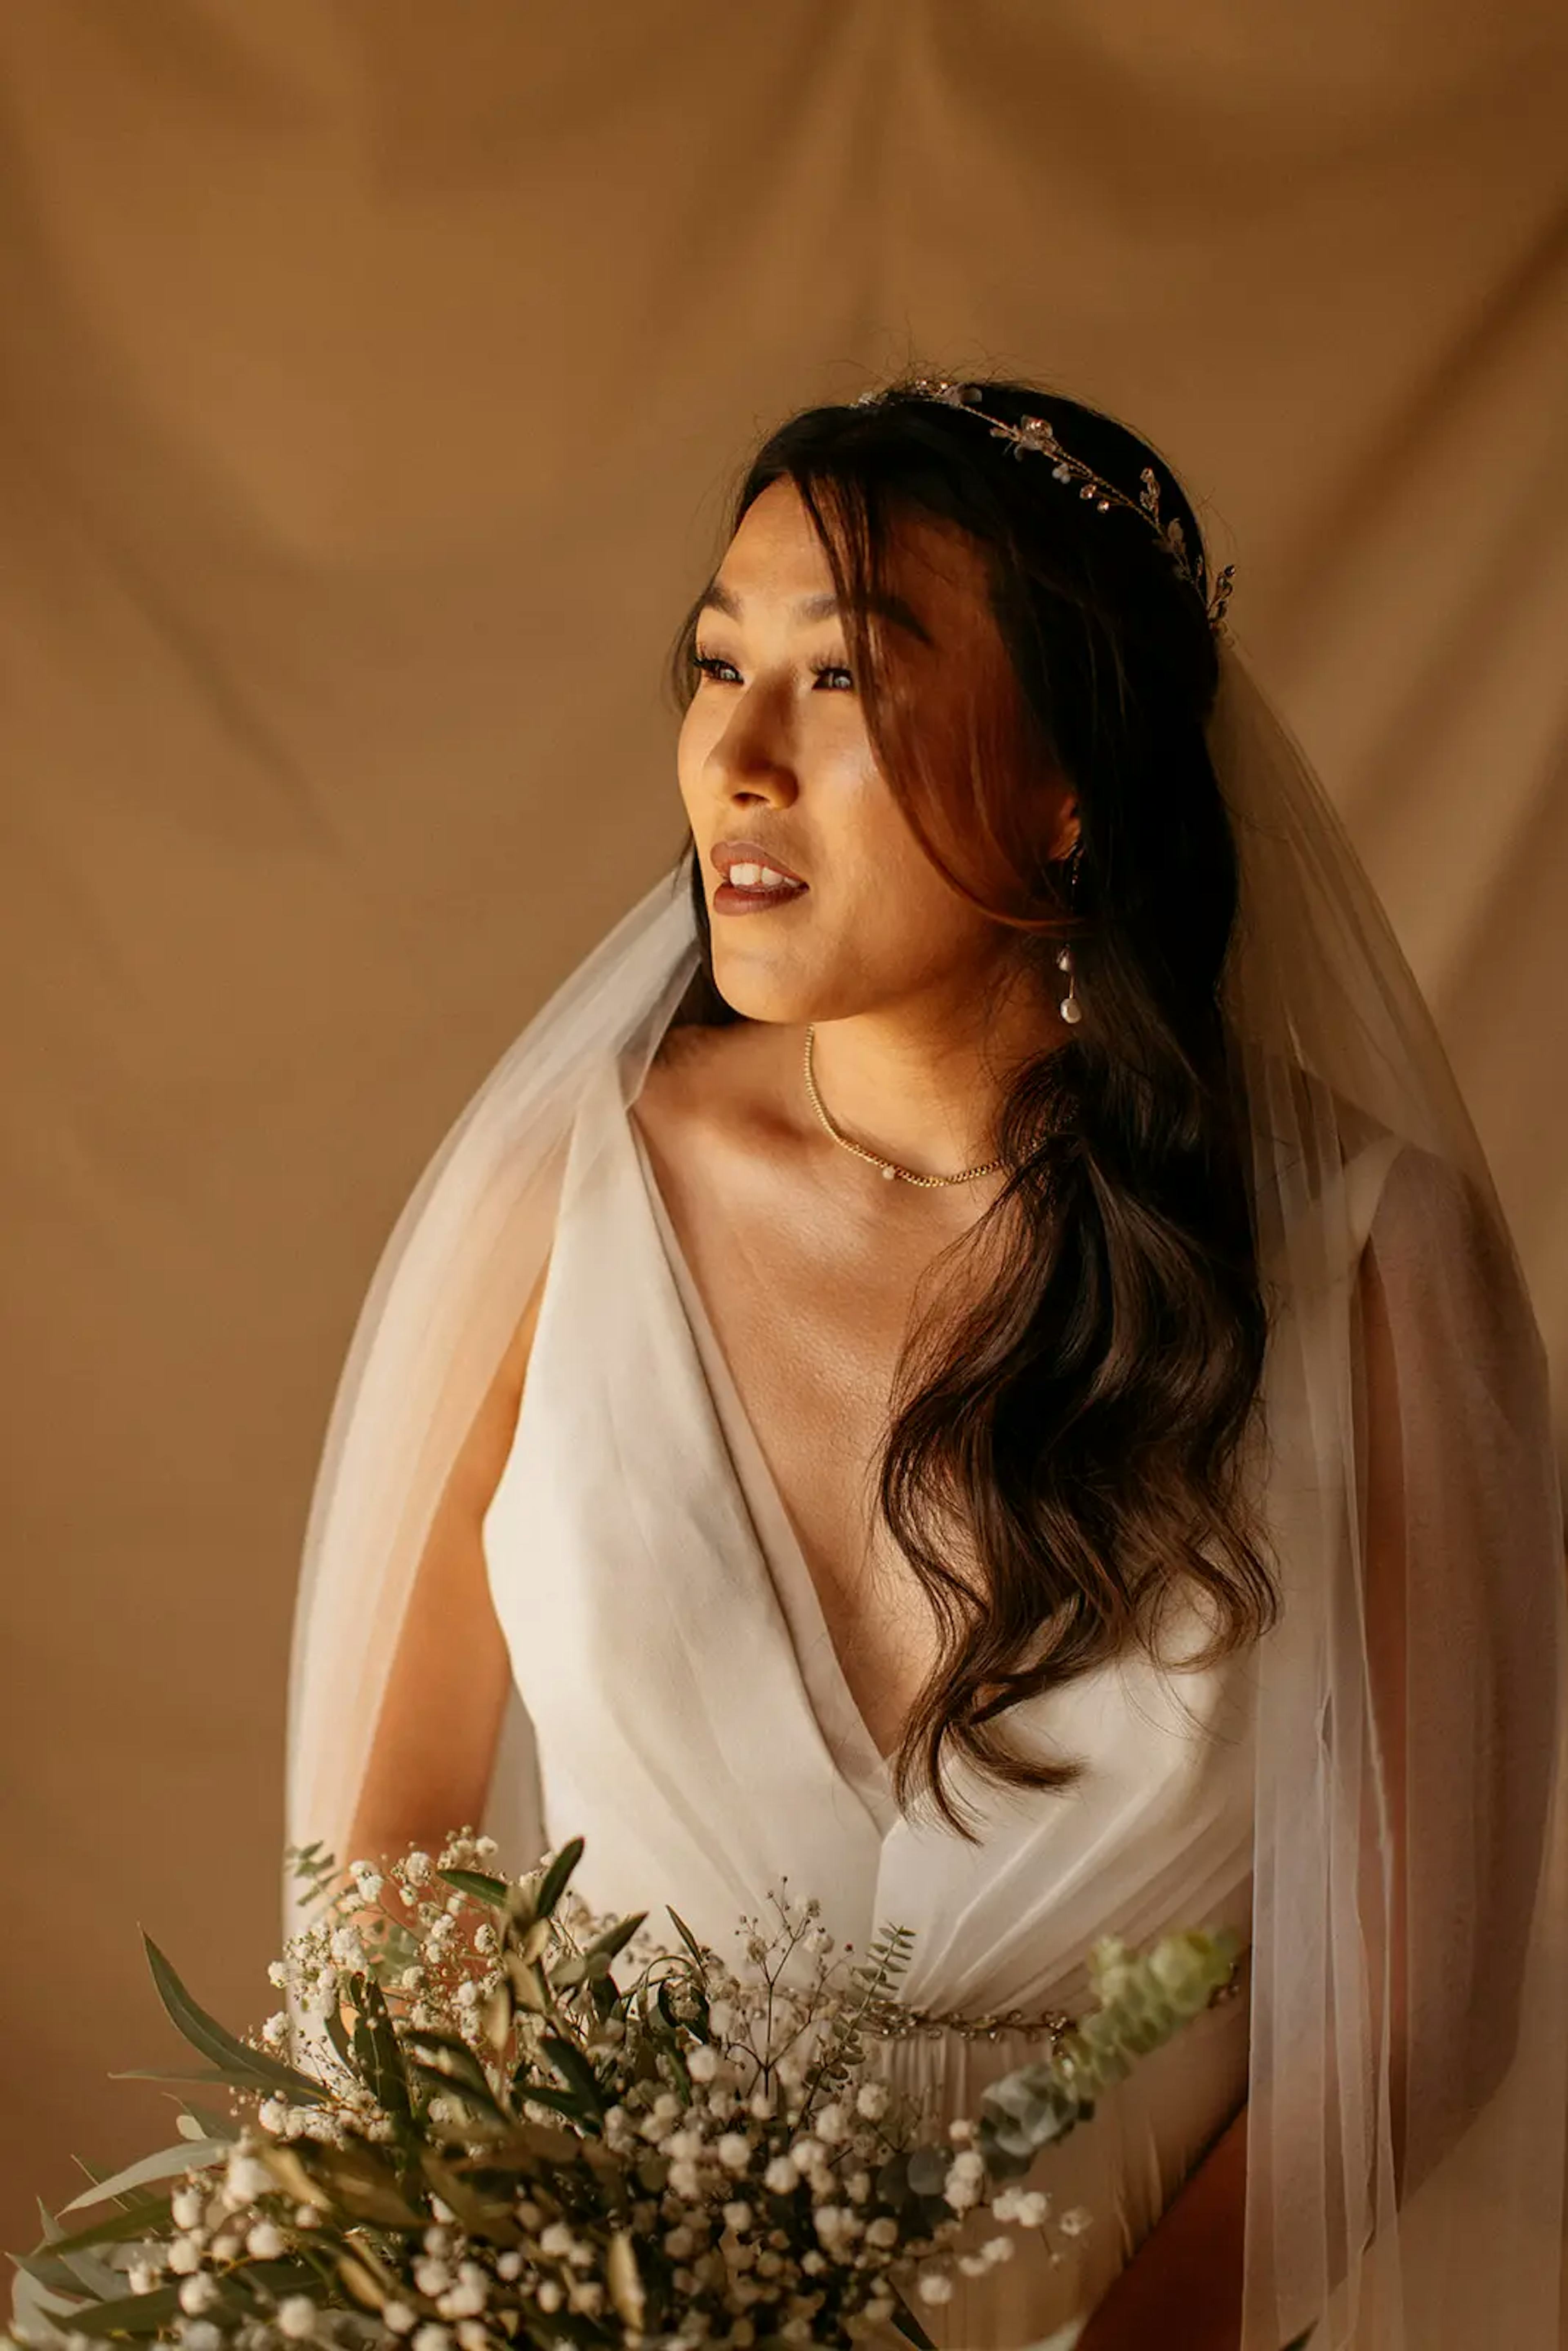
474	2132
1142	1999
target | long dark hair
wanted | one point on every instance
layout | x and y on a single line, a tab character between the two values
1066	1456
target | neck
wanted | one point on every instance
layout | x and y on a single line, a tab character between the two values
921	1081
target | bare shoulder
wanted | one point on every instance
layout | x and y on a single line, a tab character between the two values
711	1085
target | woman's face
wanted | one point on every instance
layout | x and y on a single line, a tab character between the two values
774	755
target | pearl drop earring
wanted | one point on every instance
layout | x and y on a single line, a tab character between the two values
1070	1009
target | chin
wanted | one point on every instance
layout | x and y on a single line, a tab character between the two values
757	995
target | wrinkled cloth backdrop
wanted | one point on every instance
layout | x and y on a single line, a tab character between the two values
372	372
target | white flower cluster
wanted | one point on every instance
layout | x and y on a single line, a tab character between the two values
764	2182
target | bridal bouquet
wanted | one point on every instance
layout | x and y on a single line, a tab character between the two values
523	2124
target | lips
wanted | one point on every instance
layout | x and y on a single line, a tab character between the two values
727	853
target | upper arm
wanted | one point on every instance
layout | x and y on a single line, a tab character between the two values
440	1720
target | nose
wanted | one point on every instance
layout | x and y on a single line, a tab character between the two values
753	758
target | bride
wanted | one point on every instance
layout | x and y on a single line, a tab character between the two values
969	1358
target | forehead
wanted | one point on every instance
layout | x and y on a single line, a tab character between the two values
777	558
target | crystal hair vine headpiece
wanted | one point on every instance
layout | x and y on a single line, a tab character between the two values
1035	435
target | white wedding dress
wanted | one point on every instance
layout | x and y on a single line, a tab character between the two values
690	1719
1373	1793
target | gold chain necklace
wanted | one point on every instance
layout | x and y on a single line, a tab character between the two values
887	1168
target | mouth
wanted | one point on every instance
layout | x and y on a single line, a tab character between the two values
753	880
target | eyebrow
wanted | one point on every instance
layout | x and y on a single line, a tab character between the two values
717	598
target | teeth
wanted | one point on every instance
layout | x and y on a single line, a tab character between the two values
757	877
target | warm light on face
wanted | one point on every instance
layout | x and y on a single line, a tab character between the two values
775	750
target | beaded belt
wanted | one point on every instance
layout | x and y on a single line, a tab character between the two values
893	2021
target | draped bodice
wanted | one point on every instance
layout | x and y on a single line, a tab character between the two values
690	1718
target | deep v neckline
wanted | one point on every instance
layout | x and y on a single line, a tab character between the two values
780	1555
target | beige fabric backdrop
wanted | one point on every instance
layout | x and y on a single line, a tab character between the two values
371	376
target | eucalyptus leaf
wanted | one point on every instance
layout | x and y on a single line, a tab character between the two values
376	2047
447	2085
560	2102
95	2277
465	2065
120	2228
614	1938
575	2071
200	2122
169	2163
214	2039
34	2307
213	2074
53	2276
557	1878
136	2314
687	1936
491	1891
338	2034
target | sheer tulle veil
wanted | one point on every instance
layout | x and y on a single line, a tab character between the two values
1409	1959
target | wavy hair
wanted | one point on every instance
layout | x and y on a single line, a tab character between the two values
1066	1454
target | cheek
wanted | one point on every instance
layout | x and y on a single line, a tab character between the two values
693	744
869	841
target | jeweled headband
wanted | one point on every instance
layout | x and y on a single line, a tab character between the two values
1035	434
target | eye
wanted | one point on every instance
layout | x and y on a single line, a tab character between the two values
710	666
724	673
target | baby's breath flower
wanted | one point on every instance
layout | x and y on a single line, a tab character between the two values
871	2102
548	2294
780	2176
737	2216
184	2257
198	2294
296	2317
397	2317
264	2240
468	2297
1073	2223
932	2286
883	2232
187	2208
245	2178
702	2063
277	1974
431	2337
